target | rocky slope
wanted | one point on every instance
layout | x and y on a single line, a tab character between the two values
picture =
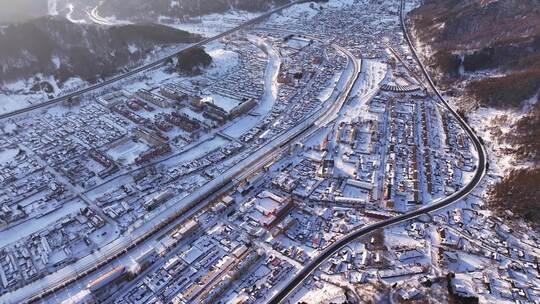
57	47
478	35
487	56
474	24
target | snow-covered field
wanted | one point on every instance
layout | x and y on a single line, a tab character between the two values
7	155
488	122
18	232
127	152
373	73
10	103
223	60
17	95
326	293
198	151
210	25
307	10
224	102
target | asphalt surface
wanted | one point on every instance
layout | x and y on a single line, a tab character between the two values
282	295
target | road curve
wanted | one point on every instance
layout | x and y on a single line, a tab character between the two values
148	66
479	174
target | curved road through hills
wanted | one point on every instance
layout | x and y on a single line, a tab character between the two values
282	295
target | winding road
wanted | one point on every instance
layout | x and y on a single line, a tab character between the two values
282	295
255	162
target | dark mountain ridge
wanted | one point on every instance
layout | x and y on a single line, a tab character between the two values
54	46
494	37
474	24
491	48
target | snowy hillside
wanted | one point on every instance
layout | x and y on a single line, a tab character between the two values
55	47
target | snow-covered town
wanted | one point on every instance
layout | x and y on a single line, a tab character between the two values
312	161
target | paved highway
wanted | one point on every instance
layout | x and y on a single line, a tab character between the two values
479	174
147	66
